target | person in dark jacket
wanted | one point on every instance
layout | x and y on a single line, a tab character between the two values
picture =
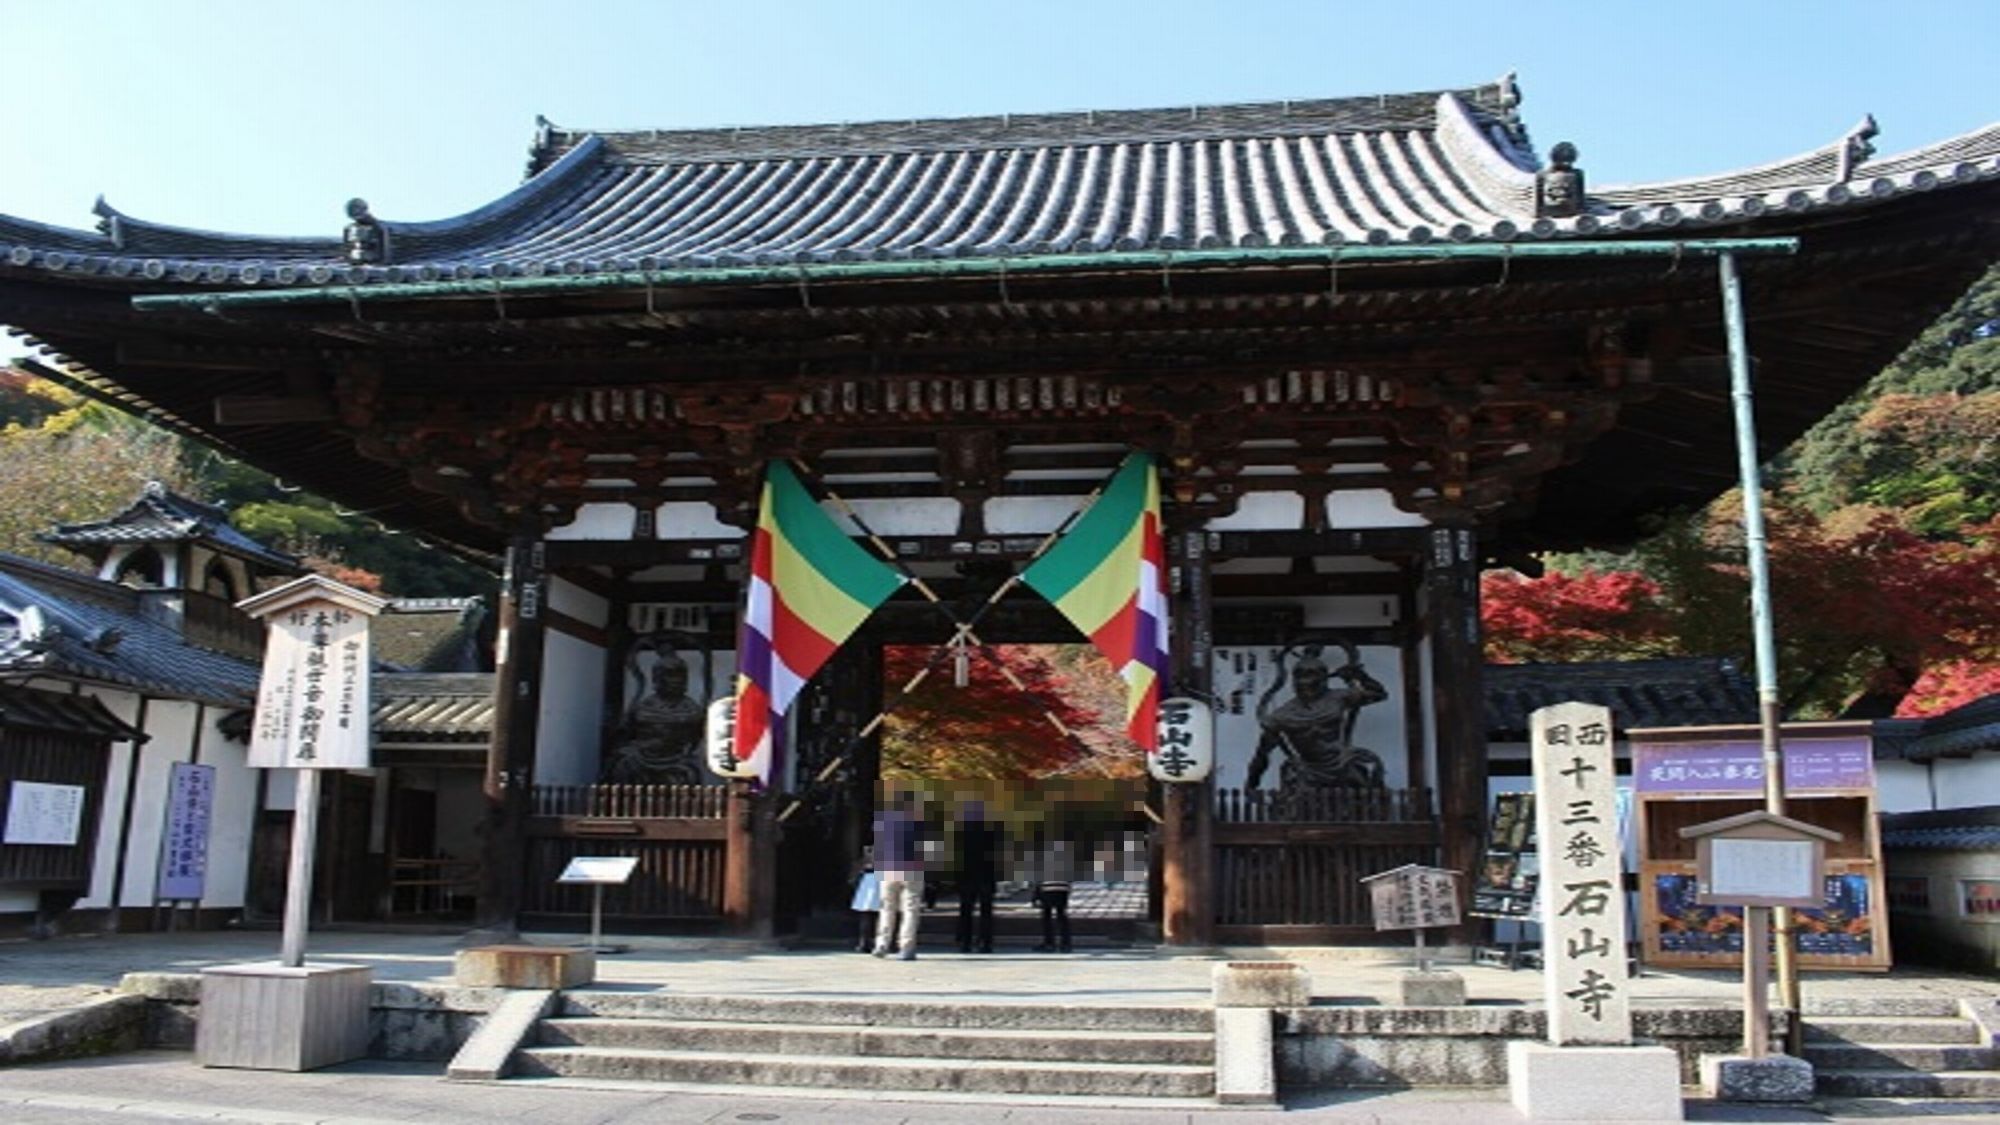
978	877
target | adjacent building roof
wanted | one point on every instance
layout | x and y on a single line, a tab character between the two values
71	626
430	635
1675	692
455	707
1958	733
161	515
1967	829
32	709
1446	166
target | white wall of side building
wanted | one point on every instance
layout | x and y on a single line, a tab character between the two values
110	829
1966	783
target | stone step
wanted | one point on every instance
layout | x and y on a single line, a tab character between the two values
986	1076
1179	1048
1891	1029
1932	1006
1887	1083
885	1013
1907	1056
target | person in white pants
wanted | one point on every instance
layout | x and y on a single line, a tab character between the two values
899	862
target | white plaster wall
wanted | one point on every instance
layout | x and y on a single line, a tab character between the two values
171	723
1362	508
1028	515
690	519
572	600
1964	783
572	711
1906	787
597	521
1259	511
111	815
231	824
913	516
281	792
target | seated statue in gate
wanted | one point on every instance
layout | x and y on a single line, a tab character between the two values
1314	730
659	740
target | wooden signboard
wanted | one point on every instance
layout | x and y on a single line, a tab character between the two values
1691	776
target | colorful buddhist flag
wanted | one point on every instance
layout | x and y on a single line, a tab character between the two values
810	588
1108	575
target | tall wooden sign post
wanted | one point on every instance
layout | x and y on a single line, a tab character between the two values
1589	1070
313	714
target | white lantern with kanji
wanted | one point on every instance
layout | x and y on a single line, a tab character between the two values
721	743
1187	741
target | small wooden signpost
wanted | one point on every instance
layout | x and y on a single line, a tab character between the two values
1414	897
1758	860
313	714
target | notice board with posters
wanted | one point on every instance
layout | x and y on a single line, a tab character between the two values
1691	775
1503	885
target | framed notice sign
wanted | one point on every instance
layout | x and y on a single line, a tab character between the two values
41	813
1503	886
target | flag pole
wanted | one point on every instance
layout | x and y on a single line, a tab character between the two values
963	629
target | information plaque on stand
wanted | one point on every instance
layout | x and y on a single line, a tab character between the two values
599	872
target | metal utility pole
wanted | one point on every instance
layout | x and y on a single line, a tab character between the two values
1751	483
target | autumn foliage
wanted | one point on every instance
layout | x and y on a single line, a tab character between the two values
991	729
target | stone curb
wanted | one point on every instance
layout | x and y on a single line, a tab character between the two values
101	1026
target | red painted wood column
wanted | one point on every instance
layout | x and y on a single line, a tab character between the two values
1187	914
1458	701
510	759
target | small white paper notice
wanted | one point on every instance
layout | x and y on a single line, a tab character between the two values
1762	869
41	813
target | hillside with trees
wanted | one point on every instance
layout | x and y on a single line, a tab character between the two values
1884	543
67	459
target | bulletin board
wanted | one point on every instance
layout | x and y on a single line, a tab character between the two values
1691	775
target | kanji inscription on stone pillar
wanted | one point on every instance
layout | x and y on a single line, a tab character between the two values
1583	889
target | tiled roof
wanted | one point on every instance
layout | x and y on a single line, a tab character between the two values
1396	169
429	635
32	709
1958	733
433	708
160	515
1676	692
69	625
1968	837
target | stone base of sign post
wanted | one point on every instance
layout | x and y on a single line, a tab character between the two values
1432	988
1261	984
270	1016
1773	1078
1549	1083
524	966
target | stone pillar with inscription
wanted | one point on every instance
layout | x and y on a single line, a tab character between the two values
1589	1070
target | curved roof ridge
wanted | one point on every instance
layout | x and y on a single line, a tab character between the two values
1816	167
1499	169
1361	113
1970	146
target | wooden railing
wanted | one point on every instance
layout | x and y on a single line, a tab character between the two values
216	623
679	801
1288	868
676	832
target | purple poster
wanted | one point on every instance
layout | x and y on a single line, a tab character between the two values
1725	767
184	847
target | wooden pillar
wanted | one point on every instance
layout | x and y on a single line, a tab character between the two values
1458	702
510	760
1187	914
749	865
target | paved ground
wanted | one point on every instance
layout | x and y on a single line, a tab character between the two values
38	976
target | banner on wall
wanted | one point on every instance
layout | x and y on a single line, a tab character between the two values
184	847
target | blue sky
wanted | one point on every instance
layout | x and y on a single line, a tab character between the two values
267	116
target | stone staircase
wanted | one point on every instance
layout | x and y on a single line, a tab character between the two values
1899	1048
935	1048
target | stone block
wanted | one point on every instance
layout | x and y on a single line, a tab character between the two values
487	1055
1262	984
1246	1071
1773	1078
1434	988
268	1016
524	966
1549	1083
